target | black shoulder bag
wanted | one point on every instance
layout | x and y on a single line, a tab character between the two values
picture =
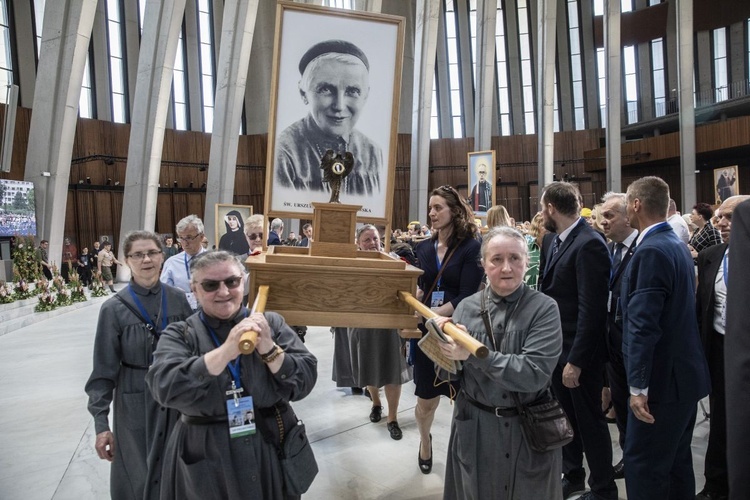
544	423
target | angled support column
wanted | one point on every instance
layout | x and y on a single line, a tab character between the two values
425	50
613	79
161	30
486	87
65	42
687	110
547	29
234	57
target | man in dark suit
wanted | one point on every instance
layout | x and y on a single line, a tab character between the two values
664	361
576	273
274	235
711	309
613	219
737	355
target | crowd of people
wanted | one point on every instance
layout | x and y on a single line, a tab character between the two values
595	309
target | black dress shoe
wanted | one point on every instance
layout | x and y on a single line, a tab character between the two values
356	391
425	465
376	414
619	470
395	430
710	495
572	487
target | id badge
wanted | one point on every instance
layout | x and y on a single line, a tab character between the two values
192	300
437	299
241	417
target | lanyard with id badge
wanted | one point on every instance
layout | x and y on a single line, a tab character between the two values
240	411
437	296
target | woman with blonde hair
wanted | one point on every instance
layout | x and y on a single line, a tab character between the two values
498	216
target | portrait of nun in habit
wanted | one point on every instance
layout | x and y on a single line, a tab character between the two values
234	239
334	84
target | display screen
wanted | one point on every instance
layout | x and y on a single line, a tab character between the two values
17	208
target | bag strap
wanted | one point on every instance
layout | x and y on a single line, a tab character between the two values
137	315
440	273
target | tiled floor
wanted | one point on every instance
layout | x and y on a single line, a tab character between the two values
46	433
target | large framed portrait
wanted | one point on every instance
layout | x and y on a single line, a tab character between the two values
481	181
336	87
726	183
230	227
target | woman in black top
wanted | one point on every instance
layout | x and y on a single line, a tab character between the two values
453	249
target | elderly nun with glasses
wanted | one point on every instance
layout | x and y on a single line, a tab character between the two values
234	408
130	325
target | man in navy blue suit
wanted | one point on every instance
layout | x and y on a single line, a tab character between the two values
576	274
665	365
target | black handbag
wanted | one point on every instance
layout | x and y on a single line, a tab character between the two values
280	427
544	423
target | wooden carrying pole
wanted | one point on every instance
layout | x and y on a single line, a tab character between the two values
249	338
459	336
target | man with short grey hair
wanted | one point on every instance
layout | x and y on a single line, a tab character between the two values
277	229
176	271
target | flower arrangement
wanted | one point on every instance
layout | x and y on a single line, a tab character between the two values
76	287
46	302
97	287
26	265
6	293
22	290
64	297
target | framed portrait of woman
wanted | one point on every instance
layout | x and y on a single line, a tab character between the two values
335	87
481	181
230	227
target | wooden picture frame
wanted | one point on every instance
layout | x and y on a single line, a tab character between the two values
225	241
302	125
726	183
481	197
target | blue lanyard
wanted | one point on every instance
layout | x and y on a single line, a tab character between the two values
187	268
439	265
725	266
144	314
234	367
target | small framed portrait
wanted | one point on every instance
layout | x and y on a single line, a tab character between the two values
230	227
726	182
481	181
335	88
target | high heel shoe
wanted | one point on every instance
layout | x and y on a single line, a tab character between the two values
425	466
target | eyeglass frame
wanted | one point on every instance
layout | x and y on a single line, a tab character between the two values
258	236
189	238
139	256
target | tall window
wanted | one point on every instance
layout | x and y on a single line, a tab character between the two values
38	6
179	87
473	34
205	37
6	60
117	67
434	115
631	83
454	79
503	95
660	90
576	65
601	75
340	4
86	101
721	76
527	83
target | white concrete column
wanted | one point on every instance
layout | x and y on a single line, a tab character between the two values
546	29
100	72
25	44
258	83
613	80
425	47
65	41
231	74
687	110
486	85
161	30
193	66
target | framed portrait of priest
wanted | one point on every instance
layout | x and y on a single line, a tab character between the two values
230	227
335	90
726	183
481	181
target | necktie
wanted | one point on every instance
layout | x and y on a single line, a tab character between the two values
617	257
555	247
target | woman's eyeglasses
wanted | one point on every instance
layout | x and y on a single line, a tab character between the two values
255	236
139	256
212	285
